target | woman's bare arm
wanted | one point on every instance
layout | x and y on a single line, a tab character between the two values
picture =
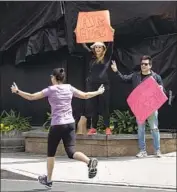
25	95
88	95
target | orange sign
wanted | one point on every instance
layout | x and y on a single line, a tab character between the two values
93	27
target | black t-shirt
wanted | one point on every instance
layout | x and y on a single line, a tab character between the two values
145	76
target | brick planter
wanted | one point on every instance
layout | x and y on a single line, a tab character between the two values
12	141
99	145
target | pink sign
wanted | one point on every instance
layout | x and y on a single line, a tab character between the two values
146	99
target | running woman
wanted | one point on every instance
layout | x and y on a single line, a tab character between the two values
62	124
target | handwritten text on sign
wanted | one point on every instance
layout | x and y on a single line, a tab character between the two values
93	27
146	99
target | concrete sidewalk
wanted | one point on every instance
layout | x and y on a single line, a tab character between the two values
129	171
34	186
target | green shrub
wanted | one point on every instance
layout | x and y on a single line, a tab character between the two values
47	125
121	122
124	122
13	121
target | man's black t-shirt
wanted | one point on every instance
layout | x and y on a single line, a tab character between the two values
145	76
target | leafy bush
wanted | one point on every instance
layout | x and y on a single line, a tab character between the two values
13	121
100	125
121	122
47	125
124	122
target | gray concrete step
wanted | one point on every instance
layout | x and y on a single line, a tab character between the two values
8	149
12	142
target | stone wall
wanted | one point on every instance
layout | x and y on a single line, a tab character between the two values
100	145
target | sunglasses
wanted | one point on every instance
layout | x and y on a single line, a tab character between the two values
145	64
98	47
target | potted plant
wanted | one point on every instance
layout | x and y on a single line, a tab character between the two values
13	124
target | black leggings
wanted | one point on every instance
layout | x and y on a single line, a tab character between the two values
67	134
98	105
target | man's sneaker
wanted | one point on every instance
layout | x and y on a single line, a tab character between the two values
43	180
158	154
92	131
92	168
108	131
141	154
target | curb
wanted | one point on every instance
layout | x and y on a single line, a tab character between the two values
23	175
6	174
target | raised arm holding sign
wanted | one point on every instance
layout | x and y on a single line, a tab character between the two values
95	27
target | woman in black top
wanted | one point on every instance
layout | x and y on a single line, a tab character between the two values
98	65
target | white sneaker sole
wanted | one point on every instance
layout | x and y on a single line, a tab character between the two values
94	163
144	155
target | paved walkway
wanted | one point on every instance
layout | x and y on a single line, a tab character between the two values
34	186
128	171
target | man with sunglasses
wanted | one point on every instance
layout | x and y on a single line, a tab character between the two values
136	78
